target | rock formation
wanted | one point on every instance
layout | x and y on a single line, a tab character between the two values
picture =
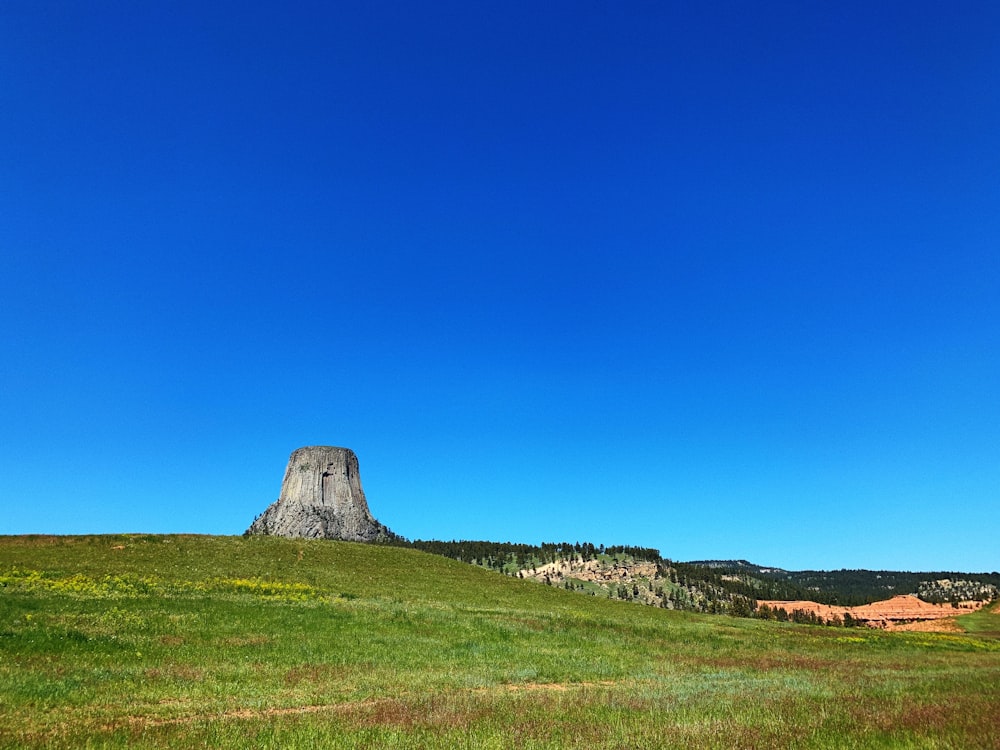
901	608
321	498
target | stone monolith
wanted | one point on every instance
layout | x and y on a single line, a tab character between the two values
321	498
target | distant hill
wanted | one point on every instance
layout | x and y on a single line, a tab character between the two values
735	564
857	587
717	586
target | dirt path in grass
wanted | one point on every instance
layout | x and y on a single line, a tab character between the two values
243	713
345	707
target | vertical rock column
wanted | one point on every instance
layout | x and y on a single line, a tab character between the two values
321	498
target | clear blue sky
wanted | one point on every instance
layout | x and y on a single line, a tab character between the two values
717	278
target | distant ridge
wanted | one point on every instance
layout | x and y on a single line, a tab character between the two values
855	587
736	565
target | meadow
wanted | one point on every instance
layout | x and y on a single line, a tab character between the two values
138	641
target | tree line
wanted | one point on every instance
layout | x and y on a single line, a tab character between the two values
510	555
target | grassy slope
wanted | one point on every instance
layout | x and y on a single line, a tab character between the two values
188	641
985	622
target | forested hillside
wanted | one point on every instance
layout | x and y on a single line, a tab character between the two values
717	586
856	587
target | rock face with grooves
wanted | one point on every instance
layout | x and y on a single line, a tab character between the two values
321	498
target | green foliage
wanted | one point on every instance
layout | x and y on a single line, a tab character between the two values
511	557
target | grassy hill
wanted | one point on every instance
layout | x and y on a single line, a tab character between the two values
186	641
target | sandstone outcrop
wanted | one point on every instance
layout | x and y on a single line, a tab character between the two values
884	614
321	498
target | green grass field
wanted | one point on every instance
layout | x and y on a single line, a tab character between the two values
187	641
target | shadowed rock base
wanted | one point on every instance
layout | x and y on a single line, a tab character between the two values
321	498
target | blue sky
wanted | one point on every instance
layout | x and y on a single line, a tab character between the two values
717	278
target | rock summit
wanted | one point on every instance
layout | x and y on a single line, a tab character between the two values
321	498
